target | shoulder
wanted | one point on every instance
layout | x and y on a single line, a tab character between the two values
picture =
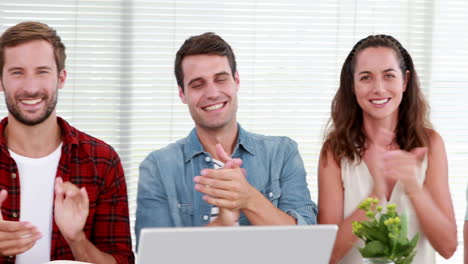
272	142
434	137
94	147
436	150
327	158
169	154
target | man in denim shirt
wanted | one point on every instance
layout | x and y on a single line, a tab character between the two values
264	183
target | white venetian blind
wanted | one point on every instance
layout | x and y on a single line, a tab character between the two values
121	87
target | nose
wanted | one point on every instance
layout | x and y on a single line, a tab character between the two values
31	85
212	90
378	86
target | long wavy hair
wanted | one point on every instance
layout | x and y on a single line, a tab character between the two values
345	136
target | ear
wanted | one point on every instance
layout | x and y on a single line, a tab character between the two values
62	77
237	80
405	83
182	95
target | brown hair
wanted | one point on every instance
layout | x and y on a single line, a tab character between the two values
29	31
207	43
345	137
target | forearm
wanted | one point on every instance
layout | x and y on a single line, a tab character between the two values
345	239
84	250
260	211
438	227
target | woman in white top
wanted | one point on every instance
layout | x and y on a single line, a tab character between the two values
380	143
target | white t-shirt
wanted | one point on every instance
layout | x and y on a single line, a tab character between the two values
37	177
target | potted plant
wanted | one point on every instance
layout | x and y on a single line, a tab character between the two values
385	234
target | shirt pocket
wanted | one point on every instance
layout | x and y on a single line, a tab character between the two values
186	213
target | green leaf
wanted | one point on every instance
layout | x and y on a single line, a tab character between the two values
403	235
373	249
374	234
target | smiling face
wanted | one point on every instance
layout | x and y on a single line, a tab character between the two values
210	91
30	81
379	83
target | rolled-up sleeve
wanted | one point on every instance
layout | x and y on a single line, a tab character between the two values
152	202
295	197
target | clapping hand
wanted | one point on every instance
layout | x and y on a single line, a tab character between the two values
71	209
16	237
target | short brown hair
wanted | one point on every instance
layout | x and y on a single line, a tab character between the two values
207	43
29	31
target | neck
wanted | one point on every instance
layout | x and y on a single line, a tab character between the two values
33	141
226	136
374	128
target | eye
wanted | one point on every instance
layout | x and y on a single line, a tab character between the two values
389	75
365	77
221	79
196	85
43	72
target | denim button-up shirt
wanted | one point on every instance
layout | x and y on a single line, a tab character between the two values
166	193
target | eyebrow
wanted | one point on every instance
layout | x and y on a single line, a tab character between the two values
15	68
200	78
368	72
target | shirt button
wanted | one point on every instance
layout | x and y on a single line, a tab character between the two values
14	215
207	159
13	175
270	194
205	217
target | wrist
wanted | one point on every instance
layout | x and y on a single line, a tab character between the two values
412	191
253	197
77	239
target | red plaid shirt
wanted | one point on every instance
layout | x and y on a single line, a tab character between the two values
89	162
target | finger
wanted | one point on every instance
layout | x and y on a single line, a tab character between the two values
233	163
218	193
14	226
214	183
18	246
84	196
222	154
221	203
25	232
223	174
59	192
58	186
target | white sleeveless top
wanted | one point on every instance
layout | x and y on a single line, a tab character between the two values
358	183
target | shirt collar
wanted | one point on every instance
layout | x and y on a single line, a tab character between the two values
69	134
193	147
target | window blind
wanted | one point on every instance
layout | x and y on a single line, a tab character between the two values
121	87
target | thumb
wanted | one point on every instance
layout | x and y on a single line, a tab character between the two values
58	191
419	153
223	156
3	196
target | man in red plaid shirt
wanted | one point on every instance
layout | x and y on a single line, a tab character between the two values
63	193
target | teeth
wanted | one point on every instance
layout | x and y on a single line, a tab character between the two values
379	102
213	107
31	101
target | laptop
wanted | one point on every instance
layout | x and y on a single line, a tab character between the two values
234	245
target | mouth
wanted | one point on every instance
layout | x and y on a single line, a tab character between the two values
31	101
214	107
380	102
